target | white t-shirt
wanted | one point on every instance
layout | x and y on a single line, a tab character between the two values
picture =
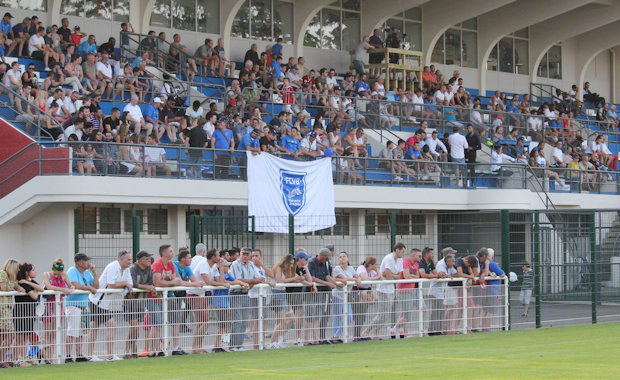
415	99
395	266
111	275
497	159
16	76
360	52
209	128
331	82
71	106
71	130
535	123
338	271
557	156
476	117
458	144
105	70
439	97
201	268
438	289
309	147
154	153
35	40
253	293
134	111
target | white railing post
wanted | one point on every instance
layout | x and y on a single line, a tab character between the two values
58	344
420	300
166	332
464	328
345	314
506	304
261	340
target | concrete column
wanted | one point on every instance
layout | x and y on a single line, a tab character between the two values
228	11
53	12
568	25
375	13
303	12
590	44
140	15
177	215
492	26
437	17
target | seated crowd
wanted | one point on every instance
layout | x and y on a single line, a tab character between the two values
305	309
320	112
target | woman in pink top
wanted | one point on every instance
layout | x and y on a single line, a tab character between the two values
363	298
56	280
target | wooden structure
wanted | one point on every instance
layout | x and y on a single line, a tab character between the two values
396	73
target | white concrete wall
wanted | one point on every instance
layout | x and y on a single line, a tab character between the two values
599	73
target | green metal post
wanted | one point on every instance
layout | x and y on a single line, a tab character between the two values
192	235
505	231
291	234
253	232
593	266
135	241
76	231
537	265
392	230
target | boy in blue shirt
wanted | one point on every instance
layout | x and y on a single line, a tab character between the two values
291	145
221	302
184	271
276	49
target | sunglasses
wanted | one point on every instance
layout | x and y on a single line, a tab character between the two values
59	267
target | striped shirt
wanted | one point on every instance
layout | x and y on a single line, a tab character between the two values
528	279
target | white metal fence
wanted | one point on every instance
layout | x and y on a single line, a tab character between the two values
172	322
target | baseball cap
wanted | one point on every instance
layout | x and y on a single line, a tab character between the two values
157	100
256	130
301	255
81	257
447	251
7	14
272	131
325	252
142	254
330	247
49	29
520	138
294	67
312	134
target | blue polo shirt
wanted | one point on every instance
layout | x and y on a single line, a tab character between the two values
222	139
85	48
220	296
513	109
152	112
276	69
19	28
290	144
277	50
184	273
86	279
413	154
362	86
136	62
6	27
247	140
494	284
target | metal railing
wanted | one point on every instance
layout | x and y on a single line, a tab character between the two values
112	159
181	319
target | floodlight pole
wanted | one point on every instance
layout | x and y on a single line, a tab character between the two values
538	266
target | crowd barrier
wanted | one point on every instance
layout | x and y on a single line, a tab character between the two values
271	316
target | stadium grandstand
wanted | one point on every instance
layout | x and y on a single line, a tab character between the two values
453	137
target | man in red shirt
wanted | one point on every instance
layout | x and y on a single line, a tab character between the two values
405	292
164	275
288	95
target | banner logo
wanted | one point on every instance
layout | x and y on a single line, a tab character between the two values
293	189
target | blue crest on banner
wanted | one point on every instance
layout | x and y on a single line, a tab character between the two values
293	189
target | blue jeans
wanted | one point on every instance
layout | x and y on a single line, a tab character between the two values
338	321
359	66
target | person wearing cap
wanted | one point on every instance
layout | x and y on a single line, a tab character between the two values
83	276
268	141
309	146
317	314
246	272
154	122
296	299
104	306
222	140
222	303
135	303
294	77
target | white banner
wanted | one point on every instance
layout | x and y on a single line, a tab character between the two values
278	187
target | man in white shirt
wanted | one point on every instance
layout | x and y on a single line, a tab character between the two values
135	114
390	269
293	77
309	146
77	128
433	142
73	103
36	45
557	156
104	74
331	80
497	157
458	145
103	306
155	157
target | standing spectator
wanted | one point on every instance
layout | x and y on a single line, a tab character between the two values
321	271
491	302
135	303
360	55
8	282
25	312
221	303
103	307
428	271
473	145
458	145
526	287
126	28
375	58
83	276
56	280
342	274
363	298
197	139
185	274
246	272
444	290
223	140
262	271
390	269
407	299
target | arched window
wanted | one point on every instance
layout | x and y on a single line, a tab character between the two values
409	23
113	10
264	20
458	45
551	64
336	26
193	15
511	54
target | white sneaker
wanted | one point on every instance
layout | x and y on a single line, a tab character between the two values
299	343
425	178
459	183
47	69
241	349
226	338
114	358
398	178
566	187
95	359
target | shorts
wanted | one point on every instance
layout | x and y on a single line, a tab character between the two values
175	309
134	309
100	316
76	316
451	296
222	316
359	66
155	314
457	160
6	317
278	301
525	296
406	304
295	300
199	307
314	305
37	54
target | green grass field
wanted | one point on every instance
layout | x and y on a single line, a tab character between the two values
576	352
